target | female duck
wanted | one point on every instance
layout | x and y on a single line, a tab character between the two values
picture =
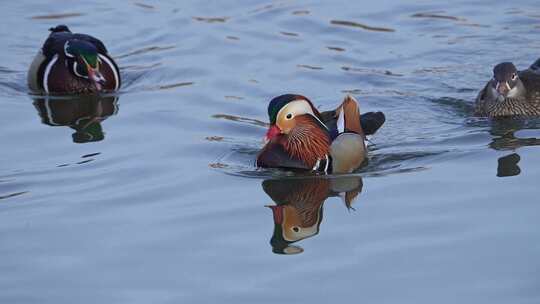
71	63
510	92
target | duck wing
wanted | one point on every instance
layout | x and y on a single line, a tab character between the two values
531	80
535	66
57	39
370	122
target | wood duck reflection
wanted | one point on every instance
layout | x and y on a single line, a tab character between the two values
504	139
84	114
298	212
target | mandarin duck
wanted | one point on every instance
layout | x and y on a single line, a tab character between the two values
298	212
71	63
510	92
302	138
83	114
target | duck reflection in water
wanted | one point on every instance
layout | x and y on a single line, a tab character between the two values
298	212
504	139
83	114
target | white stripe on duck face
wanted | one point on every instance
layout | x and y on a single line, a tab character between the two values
298	107
66	46
113	69
47	72
75	66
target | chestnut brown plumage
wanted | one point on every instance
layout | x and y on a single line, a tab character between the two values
307	141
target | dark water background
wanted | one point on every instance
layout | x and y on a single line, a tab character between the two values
150	196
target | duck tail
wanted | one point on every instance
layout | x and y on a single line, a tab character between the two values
372	121
60	28
536	65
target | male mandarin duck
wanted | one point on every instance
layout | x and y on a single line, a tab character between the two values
302	138
298	212
71	63
510	92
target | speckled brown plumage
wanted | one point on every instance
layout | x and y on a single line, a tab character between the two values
525	103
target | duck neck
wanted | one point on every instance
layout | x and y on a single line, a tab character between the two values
308	142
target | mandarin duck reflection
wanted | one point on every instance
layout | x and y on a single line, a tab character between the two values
84	114
510	92
298	212
71	63
302	138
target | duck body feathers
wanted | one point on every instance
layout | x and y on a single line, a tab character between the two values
526	103
52	70
333	144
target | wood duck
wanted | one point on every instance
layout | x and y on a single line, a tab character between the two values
302	138
510	92
83	114
298	212
71	63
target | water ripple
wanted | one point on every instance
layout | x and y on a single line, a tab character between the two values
57	16
361	25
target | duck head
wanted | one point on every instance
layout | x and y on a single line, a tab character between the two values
506	82
85	61
296	125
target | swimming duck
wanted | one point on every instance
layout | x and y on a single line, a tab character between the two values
298	212
71	63
510	92
302	138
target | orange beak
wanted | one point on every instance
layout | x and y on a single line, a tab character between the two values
272	133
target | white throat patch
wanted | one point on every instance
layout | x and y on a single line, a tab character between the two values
513	92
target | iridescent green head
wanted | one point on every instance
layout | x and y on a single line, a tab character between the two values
85	61
82	50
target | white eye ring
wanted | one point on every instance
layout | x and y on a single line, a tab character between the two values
514	76
289	116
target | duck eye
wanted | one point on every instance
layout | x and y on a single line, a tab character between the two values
296	229
289	116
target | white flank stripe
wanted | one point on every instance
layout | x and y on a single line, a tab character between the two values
47	71
327	164
115	73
